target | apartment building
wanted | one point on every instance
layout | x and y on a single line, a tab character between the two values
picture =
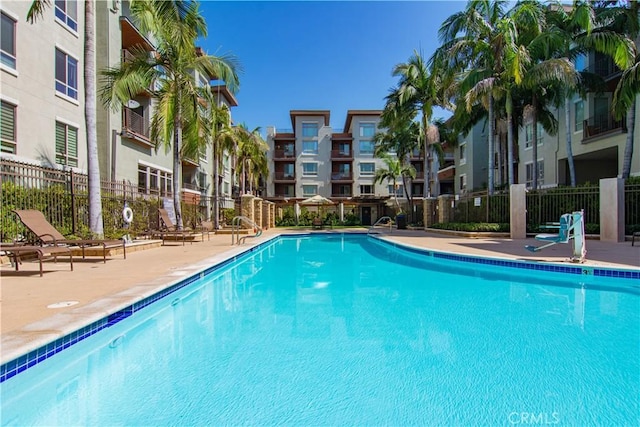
42	98
337	162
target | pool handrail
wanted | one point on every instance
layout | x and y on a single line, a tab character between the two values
235	229
388	219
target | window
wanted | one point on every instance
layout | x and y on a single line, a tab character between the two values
344	149
578	118
399	189
463	182
463	153
529	167
155	181
367	130
8	128
309	190
66	74
309	130
288	169
66	145
226	189
529	135
309	169
367	169
366	190
580	62
8	41
309	147
67	12
366	147
342	190
226	162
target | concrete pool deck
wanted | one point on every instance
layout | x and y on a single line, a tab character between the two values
100	289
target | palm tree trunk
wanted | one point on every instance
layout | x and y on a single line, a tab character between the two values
628	148
427	160
93	164
567	119
534	148
216	190
509	108
491	147
177	169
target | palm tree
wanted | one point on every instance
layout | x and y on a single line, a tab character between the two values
403	138
220	137
627	21
36	11
175	26
251	152
418	91
473	45
573	31
544	75
395	168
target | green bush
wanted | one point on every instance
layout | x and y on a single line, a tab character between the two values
472	226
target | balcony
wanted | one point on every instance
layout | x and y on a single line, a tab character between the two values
605	68
342	176
447	174
419	176
341	136
135	126
341	154
284	176
602	125
283	154
343	194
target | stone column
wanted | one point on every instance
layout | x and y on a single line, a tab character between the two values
247	206
612	210
257	210
428	211
272	215
445	208
518	211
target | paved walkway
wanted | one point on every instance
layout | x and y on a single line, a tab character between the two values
100	289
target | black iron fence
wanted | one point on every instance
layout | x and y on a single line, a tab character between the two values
62	195
480	207
544	206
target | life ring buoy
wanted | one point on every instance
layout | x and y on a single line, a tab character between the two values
127	214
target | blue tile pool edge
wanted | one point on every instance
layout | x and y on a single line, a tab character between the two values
31	358
520	264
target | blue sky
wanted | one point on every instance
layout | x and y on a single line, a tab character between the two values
319	55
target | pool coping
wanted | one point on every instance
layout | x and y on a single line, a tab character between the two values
28	346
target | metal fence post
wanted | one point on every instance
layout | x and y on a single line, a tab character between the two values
74	210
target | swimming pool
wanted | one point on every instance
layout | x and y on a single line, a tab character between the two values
346	329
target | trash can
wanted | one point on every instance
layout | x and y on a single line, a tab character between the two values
401	221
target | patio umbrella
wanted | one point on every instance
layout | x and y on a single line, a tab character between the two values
317	200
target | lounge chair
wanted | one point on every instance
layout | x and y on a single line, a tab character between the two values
16	252
170	230
47	235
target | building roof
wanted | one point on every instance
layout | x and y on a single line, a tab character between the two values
294	113
352	113
224	91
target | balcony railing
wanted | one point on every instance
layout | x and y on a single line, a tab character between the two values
605	68
342	194
136	124
341	176
602	124
285	176
341	154
283	154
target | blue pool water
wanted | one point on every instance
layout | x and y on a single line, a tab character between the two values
347	330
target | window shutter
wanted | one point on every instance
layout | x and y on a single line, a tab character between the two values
72	146
61	147
8	122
